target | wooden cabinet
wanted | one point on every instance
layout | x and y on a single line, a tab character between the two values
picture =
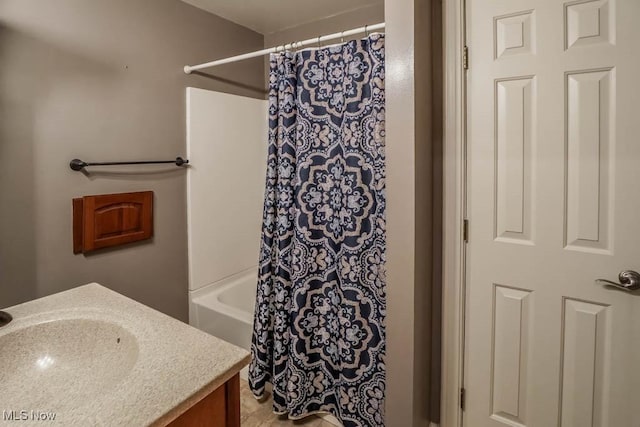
108	220
221	408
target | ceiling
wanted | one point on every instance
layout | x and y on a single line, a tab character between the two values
269	16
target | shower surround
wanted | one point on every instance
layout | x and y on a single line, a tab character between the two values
319	335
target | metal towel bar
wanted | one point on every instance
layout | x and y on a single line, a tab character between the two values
78	165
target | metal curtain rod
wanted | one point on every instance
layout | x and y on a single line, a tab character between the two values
78	165
317	40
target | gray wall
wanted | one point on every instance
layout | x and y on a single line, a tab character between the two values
412	176
102	80
369	15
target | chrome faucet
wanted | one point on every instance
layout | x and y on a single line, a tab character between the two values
5	318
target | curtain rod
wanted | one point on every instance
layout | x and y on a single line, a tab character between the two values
317	40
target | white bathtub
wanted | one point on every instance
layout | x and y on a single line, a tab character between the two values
225	308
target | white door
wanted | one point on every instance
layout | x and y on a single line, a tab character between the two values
554	204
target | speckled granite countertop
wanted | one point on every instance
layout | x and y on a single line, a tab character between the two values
91	356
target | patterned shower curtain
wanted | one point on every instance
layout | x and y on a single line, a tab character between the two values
319	335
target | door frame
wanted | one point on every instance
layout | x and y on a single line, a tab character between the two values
454	213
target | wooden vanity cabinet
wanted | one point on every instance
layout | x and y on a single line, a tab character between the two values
221	408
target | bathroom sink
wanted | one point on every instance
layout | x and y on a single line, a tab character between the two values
73	358
94	357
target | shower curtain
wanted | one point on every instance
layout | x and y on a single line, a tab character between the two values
319	335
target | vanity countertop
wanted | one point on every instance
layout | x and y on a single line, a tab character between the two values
94	357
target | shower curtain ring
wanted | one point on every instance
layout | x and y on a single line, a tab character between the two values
366	30
319	46
342	37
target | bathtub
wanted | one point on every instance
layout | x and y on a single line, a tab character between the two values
225	308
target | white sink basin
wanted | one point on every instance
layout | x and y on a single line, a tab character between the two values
45	360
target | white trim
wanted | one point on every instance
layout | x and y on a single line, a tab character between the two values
453	214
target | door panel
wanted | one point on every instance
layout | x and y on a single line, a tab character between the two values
511	329
584	353
589	110
553	189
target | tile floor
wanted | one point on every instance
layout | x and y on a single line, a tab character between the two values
259	414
